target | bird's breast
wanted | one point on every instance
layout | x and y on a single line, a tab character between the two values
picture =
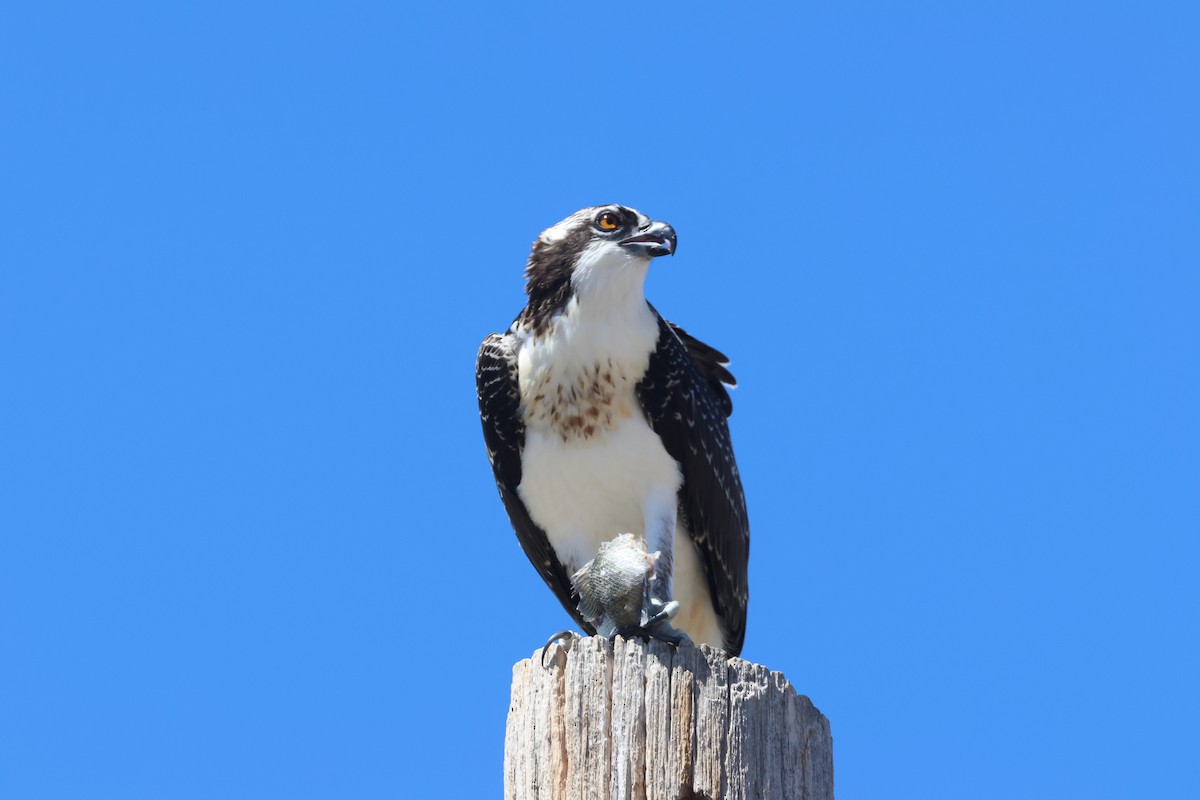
579	401
585	491
578	380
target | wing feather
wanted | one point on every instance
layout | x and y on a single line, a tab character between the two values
504	434
683	394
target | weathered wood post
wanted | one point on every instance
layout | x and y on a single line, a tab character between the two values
632	721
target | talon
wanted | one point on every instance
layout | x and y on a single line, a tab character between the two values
667	612
628	632
567	634
655	628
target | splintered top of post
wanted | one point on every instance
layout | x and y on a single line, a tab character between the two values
627	719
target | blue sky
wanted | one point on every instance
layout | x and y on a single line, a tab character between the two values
247	254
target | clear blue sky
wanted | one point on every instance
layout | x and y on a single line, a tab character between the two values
247	254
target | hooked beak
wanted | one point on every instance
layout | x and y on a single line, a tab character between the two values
657	240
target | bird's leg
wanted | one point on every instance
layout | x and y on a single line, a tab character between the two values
660	514
659	608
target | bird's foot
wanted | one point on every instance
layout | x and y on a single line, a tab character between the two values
663	612
663	631
655	626
569	635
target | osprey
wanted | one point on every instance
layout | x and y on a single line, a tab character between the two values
601	418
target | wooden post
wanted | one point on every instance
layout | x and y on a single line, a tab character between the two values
634	721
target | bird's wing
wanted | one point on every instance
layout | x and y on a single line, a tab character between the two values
686	402
504	434
712	363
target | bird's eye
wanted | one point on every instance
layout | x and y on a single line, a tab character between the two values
607	221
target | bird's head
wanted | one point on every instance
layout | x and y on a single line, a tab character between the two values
598	251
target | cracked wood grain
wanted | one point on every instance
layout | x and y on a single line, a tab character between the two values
633	721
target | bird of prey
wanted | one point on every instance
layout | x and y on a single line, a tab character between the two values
602	418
